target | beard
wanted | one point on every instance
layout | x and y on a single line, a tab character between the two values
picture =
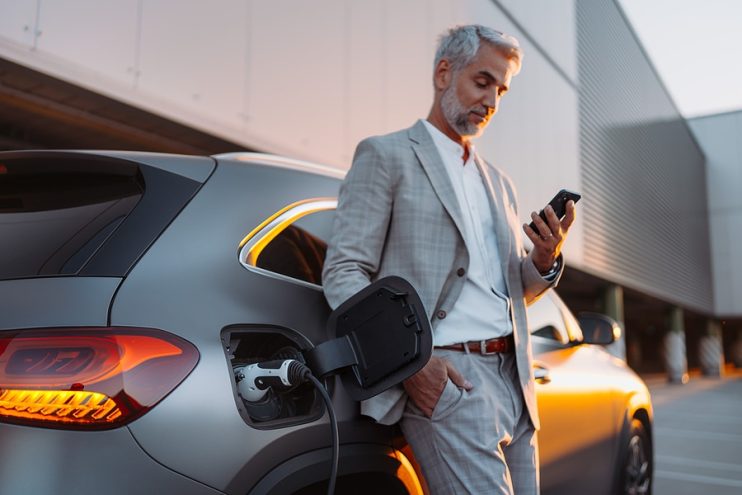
457	116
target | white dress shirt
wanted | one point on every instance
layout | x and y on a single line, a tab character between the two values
482	311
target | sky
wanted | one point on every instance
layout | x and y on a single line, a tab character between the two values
696	47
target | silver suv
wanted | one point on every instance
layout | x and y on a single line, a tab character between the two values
132	285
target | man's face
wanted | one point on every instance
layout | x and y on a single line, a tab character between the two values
472	97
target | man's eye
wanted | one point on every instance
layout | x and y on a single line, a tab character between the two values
480	84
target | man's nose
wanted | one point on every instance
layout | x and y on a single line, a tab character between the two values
490	108
491	102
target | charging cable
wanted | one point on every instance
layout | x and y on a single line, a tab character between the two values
255	380
334	427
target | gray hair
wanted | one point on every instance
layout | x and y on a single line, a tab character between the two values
461	43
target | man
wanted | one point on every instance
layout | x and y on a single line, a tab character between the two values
420	204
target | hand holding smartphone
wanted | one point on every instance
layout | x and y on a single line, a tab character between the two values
559	204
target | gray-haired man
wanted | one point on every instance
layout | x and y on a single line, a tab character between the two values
419	203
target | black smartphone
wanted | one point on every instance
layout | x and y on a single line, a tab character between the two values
559	203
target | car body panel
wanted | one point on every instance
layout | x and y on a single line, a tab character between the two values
311	467
579	423
44	461
56	301
166	290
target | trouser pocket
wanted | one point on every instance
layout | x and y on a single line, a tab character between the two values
450	398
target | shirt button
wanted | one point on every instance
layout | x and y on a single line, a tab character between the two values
441	314
460	272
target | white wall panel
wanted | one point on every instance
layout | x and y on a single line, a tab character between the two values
193	56
366	107
298	76
310	79
409	58
97	35
723	252
552	24
18	20
392	46
732	233
720	138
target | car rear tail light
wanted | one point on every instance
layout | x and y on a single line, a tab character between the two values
88	378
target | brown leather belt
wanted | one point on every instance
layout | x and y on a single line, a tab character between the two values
504	345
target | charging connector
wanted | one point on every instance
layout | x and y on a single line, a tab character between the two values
256	380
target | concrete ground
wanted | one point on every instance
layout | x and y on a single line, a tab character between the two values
698	435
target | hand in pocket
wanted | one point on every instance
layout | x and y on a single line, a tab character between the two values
426	386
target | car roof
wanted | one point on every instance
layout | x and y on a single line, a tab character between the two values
282	162
193	167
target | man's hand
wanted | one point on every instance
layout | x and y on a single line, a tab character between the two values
426	386
548	240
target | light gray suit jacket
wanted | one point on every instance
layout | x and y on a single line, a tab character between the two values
398	215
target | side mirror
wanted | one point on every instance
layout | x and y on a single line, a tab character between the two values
599	329
383	337
549	332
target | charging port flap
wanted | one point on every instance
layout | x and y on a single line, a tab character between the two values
382	335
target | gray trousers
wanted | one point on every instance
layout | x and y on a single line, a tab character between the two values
477	442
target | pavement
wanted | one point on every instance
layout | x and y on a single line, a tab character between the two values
698	435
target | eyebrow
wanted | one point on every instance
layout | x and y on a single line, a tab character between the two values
492	78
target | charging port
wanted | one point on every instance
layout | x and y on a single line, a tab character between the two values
247	344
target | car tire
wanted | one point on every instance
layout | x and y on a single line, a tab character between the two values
635	462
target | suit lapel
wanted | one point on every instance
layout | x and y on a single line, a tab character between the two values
496	194
510	267
434	168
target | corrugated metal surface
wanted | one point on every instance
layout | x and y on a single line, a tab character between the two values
643	175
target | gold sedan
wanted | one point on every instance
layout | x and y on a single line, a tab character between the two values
596	413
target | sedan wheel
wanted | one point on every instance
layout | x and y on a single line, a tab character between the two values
637	470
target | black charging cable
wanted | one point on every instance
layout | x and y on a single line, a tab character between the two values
333	426
305	374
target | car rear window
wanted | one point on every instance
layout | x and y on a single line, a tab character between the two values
56	212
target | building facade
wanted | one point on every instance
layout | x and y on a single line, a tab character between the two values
310	79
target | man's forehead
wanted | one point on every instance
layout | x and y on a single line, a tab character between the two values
495	66
494	55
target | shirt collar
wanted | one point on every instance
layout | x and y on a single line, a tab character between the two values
446	144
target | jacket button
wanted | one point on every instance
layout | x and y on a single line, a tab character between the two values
441	314
460	272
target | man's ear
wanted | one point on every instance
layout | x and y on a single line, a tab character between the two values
442	75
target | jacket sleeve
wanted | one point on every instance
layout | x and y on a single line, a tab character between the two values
534	284
360	226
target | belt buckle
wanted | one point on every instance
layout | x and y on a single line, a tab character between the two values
483	349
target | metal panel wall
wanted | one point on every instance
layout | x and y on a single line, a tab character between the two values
645	206
720	137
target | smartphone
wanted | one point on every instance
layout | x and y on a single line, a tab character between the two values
559	203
